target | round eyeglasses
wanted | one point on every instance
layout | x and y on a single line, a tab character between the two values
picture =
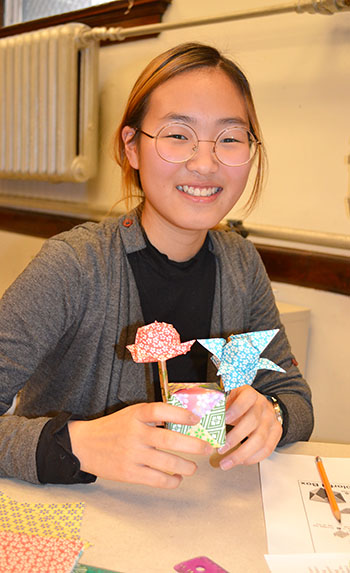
178	142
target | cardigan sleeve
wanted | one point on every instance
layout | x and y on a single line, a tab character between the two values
289	388
35	312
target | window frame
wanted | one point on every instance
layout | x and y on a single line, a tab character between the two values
117	13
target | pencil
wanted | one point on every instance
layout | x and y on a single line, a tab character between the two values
327	487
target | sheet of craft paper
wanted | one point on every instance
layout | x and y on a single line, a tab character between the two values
22	553
39	538
298	517
309	563
81	568
50	519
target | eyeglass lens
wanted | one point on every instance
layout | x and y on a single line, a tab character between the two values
177	143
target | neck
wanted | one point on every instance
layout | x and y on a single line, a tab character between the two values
178	244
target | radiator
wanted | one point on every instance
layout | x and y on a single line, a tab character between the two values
48	105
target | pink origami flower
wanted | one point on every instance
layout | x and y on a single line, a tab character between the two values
157	341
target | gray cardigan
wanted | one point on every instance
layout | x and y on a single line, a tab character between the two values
67	319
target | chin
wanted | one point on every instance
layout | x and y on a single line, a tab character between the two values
210	219
201	223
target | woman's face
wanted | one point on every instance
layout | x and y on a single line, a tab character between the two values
208	101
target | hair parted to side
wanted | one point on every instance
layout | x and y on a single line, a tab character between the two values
182	58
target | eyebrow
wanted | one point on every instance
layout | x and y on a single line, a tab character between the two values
191	120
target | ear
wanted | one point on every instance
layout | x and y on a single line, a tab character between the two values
130	146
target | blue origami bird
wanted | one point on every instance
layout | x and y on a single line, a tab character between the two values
238	360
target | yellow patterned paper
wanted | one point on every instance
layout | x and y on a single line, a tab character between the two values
49	520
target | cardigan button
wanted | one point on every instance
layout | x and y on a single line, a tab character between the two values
127	222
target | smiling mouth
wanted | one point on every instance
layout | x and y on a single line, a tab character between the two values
198	191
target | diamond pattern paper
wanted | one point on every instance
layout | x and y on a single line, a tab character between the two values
206	400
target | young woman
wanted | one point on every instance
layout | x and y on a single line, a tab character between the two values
187	143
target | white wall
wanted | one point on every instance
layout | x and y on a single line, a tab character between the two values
16	251
327	367
299	69
298	65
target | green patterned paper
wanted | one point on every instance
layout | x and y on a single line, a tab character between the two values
80	568
212	426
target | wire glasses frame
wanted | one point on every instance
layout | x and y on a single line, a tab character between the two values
178	143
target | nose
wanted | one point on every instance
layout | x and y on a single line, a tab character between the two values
204	160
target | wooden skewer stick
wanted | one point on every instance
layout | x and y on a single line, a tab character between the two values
163	378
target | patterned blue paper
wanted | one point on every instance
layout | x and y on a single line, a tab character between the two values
238	360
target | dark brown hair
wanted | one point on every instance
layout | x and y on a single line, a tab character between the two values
182	58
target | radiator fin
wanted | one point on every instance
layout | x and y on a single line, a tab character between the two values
48	105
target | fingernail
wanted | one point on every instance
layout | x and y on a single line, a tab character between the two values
224	449
226	464
194	418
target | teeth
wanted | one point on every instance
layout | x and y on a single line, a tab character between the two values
197	192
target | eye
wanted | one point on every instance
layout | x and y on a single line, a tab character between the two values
229	139
177	136
235	136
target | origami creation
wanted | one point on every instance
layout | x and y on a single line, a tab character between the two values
238	359
159	341
208	401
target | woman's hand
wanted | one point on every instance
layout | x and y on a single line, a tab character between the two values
253	417
128	446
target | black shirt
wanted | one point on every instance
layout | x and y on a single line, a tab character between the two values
180	294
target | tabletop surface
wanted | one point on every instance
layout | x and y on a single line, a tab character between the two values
138	529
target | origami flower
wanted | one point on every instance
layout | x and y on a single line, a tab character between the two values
157	341
238	360
199	400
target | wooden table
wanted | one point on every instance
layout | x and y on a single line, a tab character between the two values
136	529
